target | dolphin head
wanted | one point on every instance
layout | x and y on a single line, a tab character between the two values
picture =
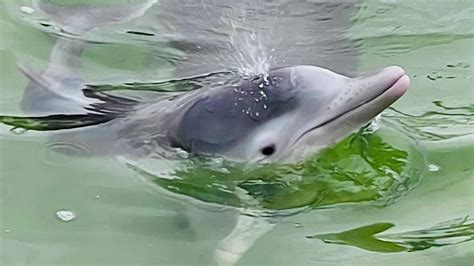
285	116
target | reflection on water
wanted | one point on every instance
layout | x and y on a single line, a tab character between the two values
362	168
442	123
372	238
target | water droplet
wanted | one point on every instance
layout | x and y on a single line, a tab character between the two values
433	168
257	114
65	215
27	10
264	106
260	85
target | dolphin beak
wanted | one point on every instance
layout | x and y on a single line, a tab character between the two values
396	79
371	94
388	84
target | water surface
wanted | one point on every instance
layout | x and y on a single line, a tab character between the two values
400	195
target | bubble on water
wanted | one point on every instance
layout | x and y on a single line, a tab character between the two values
18	130
65	215
182	154
27	10
433	168
298	225
260	85
7	230
97	197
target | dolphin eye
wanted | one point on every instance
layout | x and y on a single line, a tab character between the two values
268	150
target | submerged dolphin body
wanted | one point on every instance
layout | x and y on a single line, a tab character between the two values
280	116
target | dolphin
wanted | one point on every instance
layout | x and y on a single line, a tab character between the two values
283	115
280	116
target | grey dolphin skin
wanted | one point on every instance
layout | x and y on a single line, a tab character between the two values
285	116
278	117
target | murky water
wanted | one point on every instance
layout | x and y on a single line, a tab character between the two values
398	192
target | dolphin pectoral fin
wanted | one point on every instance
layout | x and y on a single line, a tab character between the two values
247	230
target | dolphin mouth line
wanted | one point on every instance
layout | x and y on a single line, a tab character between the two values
348	111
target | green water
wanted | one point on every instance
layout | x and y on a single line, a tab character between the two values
401	196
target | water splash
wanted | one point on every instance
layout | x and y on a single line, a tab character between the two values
373	126
251	56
